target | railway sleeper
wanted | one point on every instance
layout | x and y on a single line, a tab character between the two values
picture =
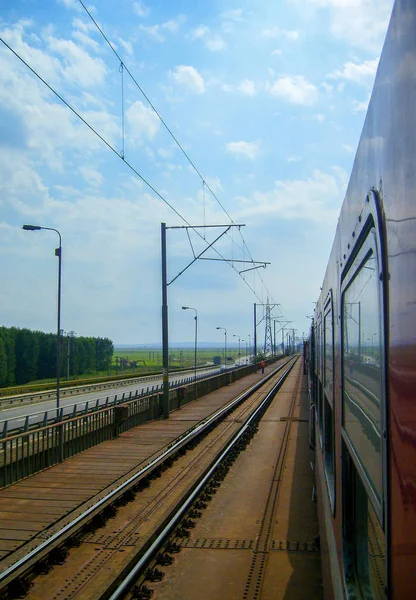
18	588
181	532
43	566
74	541
154	575
164	559
58	555
173	548
141	593
188	524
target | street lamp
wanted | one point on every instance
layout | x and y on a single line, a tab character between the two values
196	337
246	343
225	344
239	342
58	253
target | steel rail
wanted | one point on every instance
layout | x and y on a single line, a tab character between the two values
18	568
185	505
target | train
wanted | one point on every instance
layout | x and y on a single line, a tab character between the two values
361	353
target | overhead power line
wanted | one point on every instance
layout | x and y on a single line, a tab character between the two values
127	163
123	66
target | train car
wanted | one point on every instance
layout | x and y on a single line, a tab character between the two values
363	348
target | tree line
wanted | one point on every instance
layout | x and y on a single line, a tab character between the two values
27	355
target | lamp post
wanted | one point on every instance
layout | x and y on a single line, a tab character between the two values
239	342
58	253
225	344
246	343
196	339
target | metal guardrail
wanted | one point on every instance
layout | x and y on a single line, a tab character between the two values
29	451
21	424
40	396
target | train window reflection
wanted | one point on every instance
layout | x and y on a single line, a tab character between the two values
362	378
364	545
328	354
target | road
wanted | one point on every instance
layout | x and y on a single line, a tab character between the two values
16	415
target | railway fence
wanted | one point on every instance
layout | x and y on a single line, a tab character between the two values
27	452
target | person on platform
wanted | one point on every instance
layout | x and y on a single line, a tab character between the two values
262	365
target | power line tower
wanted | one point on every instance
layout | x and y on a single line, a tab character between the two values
268	343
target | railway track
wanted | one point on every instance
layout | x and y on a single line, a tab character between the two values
120	536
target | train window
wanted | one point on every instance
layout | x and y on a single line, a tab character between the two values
362	365
364	546
329	450
328	353
320	393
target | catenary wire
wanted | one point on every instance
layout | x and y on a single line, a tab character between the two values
152	106
129	165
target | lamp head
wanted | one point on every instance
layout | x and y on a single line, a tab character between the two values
31	227
185	307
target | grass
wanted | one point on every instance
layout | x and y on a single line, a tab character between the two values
148	361
178	357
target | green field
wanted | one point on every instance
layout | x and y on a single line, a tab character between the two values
178	357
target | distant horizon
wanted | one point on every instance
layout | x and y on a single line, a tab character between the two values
158	346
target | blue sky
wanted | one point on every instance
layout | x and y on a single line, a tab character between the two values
268	100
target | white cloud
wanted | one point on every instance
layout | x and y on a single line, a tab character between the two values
361	106
199	32
327	87
215	44
293	159
156	32
85	39
246	87
174	25
84	26
232	15
296	90
142	123
277	32
72	4
212	41
153	31
362	23
91	176
243	149
357	72
320	118
141	9
128	46
79	66
215	184
276	52
164	152
348	148
190	78
316	198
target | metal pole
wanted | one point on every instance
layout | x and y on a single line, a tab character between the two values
255	335
274	338
225	347
165	337
67	357
196	344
